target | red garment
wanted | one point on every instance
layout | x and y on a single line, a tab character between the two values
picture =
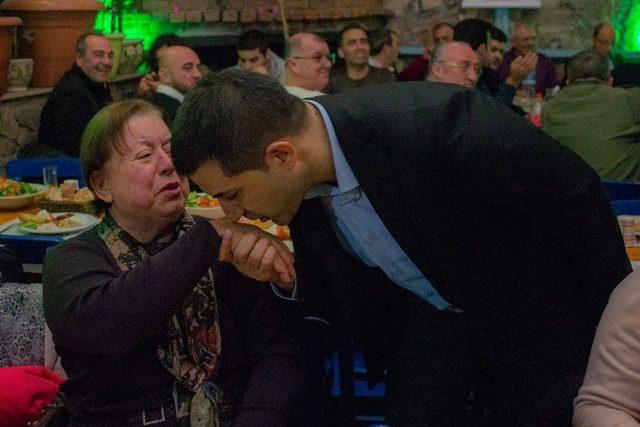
24	392
416	70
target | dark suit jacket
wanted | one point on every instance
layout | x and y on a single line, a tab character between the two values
507	224
74	101
167	104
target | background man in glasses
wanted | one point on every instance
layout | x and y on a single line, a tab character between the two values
307	65
456	63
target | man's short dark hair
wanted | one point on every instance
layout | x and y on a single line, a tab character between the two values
231	117
164	40
348	27
588	65
379	38
474	32
253	39
497	34
81	43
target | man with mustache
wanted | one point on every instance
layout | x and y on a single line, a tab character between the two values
79	94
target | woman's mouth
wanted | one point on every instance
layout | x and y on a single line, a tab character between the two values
173	189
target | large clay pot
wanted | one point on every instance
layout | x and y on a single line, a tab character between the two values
7	27
49	34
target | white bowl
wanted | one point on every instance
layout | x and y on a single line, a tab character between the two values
17	202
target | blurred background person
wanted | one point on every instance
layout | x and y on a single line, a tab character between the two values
418	68
79	94
178	72
308	64
454	62
355	71
599	122
522	40
385	49
254	54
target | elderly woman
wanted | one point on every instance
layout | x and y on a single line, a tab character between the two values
150	326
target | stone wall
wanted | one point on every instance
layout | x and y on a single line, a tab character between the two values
559	24
20	115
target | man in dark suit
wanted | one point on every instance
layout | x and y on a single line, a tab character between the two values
177	73
462	248
79	94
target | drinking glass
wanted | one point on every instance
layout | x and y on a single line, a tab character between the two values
50	175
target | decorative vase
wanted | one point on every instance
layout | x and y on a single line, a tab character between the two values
20	74
131	56
49	34
115	40
7	27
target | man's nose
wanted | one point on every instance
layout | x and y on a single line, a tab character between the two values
231	209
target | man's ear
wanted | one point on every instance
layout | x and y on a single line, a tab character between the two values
281	154
340	52
101	187
609	81
164	76
78	58
267	56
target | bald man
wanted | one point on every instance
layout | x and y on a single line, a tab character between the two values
522	40
603	38
177	73
307	65
454	62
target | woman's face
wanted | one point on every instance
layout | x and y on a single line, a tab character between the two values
141	183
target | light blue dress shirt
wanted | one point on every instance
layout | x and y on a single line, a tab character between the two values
363	229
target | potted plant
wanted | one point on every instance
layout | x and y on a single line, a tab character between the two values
116	36
7	31
49	34
20	69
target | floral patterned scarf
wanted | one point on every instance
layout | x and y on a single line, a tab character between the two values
191	347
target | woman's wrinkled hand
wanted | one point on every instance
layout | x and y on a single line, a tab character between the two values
255	253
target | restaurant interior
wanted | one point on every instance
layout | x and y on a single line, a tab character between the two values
45	199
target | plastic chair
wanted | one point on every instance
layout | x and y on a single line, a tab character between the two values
621	190
31	169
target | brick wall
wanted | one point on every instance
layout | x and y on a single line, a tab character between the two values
263	11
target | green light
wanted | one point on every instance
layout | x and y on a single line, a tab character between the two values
134	25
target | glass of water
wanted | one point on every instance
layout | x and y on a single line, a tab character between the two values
50	175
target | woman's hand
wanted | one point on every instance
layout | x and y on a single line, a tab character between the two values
255	253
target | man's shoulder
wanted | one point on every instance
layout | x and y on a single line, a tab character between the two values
381	75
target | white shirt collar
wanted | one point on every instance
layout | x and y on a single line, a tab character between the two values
171	92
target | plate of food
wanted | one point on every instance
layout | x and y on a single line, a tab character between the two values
45	222
16	195
202	204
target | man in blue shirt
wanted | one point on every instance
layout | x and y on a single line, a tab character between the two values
461	248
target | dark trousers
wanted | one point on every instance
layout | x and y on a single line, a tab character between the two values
446	357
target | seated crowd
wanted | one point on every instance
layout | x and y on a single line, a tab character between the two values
468	255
